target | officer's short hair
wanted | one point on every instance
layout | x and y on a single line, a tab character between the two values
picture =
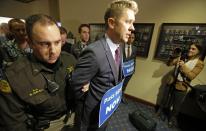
40	18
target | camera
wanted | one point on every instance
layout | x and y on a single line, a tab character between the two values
176	53
179	52
184	55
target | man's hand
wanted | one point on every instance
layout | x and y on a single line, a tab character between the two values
85	87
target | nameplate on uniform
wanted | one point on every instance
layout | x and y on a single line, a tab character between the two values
128	68
109	103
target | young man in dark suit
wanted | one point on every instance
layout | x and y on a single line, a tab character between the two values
97	64
129	55
84	34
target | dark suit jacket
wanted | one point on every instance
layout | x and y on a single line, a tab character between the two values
133	54
125	59
67	47
97	66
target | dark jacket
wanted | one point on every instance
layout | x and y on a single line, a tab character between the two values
125	59
76	49
67	47
9	52
96	66
132	56
35	93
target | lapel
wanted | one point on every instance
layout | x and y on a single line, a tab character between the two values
123	51
121	65
134	51
110	59
125	58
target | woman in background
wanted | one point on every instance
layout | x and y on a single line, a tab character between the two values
187	67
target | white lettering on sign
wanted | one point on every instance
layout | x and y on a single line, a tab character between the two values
112	105
130	69
109	98
118	91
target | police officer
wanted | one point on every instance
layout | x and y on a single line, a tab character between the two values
35	92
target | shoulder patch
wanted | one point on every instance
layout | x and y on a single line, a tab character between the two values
70	69
4	86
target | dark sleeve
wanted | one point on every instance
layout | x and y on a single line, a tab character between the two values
12	116
70	97
1	57
74	51
84	71
135	56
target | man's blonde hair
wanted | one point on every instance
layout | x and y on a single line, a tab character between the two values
116	8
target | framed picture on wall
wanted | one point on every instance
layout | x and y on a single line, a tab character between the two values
96	31
143	35
179	36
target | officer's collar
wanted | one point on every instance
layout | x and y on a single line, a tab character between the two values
38	66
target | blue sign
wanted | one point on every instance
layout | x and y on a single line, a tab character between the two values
128	68
109	103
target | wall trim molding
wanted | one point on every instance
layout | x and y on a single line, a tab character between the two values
139	100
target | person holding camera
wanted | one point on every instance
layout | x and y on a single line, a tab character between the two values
187	67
